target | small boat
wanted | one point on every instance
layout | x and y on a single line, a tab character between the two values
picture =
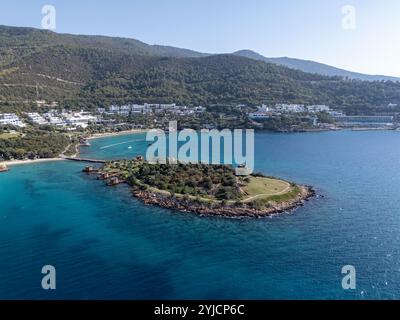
129	147
3	168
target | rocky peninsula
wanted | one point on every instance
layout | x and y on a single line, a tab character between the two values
213	190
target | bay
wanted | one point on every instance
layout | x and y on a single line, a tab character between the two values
105	244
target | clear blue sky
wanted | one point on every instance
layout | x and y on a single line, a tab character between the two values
307	29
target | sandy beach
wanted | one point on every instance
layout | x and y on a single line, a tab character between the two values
19	162
113	134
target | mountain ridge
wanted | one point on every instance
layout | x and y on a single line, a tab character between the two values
135	46
88	71
311	66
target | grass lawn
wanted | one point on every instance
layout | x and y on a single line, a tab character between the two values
261	188
6	135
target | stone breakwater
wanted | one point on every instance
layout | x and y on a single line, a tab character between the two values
228	210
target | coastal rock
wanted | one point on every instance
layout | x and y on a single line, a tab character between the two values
228	210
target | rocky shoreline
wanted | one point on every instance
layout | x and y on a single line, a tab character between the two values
185	204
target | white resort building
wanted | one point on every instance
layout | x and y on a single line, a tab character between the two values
11	119
79	119
37	118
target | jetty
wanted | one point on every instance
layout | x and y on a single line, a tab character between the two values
112	179
85	160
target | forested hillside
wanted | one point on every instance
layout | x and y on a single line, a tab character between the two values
85	71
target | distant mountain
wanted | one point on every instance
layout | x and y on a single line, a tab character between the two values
88	71
313	67
19	40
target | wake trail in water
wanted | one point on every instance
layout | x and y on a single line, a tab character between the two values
117	144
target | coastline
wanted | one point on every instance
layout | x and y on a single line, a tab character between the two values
94	136
223	211
10	163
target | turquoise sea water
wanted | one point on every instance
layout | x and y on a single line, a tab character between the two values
107	245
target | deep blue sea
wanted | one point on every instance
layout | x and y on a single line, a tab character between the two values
105	244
